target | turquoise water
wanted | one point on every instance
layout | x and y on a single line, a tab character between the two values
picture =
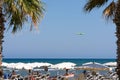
55	61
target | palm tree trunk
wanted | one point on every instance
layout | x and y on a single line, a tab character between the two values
1	37
117	22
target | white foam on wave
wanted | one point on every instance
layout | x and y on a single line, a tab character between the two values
111	64
20	65
64	65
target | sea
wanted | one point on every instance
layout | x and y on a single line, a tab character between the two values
77	61
53	61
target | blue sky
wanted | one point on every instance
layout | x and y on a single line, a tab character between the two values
58	37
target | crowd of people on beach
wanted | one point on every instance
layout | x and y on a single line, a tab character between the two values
92	75
36	75
85	75
12	76
32	75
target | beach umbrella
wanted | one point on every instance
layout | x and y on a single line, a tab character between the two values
93	66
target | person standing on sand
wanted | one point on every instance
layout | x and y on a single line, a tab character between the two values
13	72
30	75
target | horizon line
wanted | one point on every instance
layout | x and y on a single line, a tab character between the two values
54	58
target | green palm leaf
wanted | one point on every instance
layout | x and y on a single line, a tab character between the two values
112	11
93	4
20	11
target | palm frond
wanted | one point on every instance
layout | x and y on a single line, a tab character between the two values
93	4
109	11
13	15
20	11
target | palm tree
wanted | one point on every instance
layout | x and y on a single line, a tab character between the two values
15	13
112	11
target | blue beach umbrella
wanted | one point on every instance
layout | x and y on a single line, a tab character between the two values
92	66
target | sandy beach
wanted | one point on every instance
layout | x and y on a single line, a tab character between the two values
35	75
59	69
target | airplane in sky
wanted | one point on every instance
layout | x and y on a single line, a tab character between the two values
80	33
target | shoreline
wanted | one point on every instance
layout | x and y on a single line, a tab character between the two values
35	64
